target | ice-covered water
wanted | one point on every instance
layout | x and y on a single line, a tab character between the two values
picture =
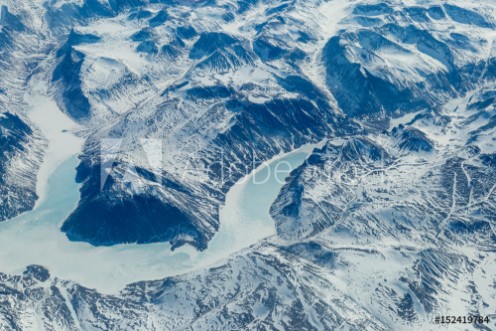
35	238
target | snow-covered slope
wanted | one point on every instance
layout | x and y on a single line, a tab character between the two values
21	144
18	159
224	83
388	225
214	93
420	196
399	56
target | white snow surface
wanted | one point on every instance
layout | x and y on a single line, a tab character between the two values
56	127
372	256
35	238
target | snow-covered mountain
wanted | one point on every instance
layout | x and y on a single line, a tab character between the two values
21	153
420	197
388	225
213	90
243	87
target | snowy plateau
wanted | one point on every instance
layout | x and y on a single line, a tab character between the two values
134	134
